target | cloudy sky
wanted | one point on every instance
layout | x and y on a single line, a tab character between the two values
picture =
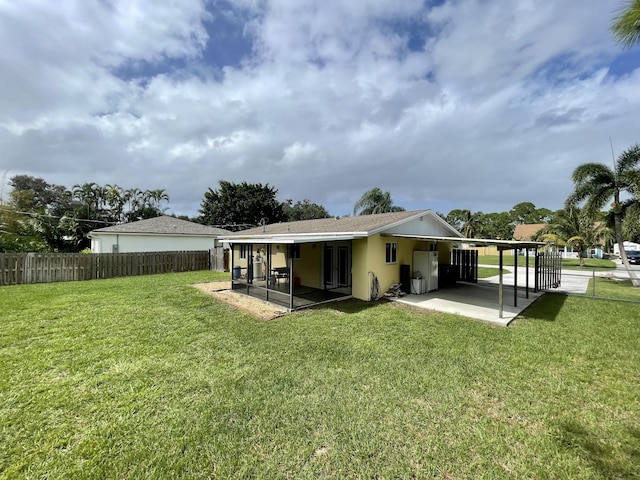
445	104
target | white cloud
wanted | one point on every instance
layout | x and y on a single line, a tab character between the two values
503	101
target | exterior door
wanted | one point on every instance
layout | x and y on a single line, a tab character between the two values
337	265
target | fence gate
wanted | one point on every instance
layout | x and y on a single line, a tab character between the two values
548	270
219	259
465	264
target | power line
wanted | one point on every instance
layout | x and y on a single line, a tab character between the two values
44	215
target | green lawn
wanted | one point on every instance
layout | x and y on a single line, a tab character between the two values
486	272
146	377
610	288
566	262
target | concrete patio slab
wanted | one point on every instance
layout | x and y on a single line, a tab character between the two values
478	301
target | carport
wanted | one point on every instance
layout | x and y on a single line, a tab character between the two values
501	246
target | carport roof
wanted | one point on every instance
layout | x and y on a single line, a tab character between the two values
482	242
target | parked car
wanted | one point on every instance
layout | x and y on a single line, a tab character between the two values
633	256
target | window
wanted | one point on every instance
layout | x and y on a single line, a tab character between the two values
243	251
295	251
392	248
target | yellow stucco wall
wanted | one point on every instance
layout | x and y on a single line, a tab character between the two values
309	266
370	255
360	279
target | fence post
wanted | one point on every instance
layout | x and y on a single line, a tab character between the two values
593	281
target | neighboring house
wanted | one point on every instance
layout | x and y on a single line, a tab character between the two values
306	262
159	234
527	233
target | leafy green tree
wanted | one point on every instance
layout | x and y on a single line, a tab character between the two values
305	210
19	231
596	184
497	225
625	26
456	218
40	206
238	206
375	201
527	213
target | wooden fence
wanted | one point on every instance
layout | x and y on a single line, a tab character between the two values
19	268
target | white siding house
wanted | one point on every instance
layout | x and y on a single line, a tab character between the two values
160	234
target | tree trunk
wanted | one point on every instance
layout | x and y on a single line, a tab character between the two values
617	218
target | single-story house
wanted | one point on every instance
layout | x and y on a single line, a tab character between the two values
159	234
526	232
296	264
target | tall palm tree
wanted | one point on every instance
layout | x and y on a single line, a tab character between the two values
471	223
158	196
116	201
88	196
375	201
596	185
626	24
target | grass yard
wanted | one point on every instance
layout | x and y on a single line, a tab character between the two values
610	288
486	272
146	377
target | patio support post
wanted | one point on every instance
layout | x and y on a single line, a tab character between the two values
267	270
249	267
515	277
500	286
290	251
527	275
232	257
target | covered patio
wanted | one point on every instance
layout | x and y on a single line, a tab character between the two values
484	301
284	271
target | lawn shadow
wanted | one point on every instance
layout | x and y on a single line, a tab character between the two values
609	459
546	308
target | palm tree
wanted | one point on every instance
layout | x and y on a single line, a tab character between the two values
573	227
88	196
158	196
626	24
596	185
375	201
116	201
471	223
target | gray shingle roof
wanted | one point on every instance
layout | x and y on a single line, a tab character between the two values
163	225
360	223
